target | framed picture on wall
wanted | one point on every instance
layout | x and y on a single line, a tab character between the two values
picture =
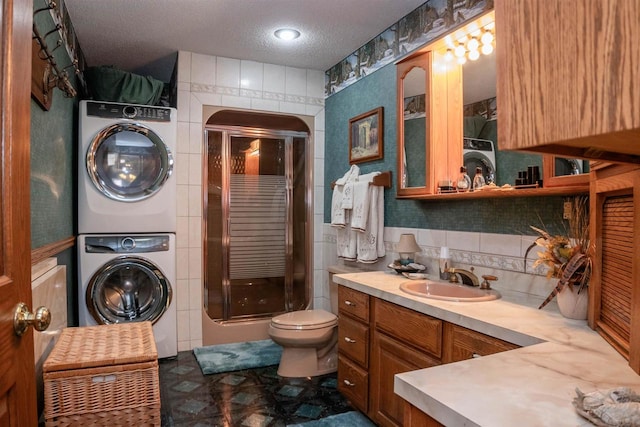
366	137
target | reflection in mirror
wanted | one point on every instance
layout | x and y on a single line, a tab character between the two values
415	128
564	166
480	129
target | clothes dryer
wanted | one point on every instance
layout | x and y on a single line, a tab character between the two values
129	278
125	182
480	153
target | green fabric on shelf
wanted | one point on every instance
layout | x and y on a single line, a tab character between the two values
110	84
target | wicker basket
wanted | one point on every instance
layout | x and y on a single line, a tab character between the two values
103	375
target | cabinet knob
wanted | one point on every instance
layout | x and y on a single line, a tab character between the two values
349	340
347	302
349	383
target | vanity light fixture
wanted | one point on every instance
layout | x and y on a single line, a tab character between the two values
472	45
287	34
487	37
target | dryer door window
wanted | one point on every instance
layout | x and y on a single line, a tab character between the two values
128	162
128	289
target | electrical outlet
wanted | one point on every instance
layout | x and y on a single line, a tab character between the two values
566	210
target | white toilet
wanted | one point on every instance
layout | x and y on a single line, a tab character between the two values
309	340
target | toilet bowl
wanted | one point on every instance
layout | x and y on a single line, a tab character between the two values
309	342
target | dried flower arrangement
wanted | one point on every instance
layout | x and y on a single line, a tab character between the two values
567	256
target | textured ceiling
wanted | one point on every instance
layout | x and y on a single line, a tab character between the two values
144	35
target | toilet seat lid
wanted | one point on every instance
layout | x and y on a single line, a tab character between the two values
305	319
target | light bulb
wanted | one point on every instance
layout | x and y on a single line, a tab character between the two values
449	55
473	55
461	60
487	37
473	44
459	51
487	49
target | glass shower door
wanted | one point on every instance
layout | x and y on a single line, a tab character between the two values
257	230
256	225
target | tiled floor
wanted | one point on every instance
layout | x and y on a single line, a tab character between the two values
251	398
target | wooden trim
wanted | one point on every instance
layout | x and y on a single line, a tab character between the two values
51	249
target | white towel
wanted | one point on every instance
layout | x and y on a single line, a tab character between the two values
339	215
370	245
361	193
350	175
347	241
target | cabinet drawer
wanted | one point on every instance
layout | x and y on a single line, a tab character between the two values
353	303
353	383
462	344
353	340
420	330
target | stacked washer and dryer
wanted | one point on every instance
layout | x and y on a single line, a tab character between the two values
127	218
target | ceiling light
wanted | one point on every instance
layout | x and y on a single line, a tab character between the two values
287	34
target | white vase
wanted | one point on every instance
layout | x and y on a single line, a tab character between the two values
573	305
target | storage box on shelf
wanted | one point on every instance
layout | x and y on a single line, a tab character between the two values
103	375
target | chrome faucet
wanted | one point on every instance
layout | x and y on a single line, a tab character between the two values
467	277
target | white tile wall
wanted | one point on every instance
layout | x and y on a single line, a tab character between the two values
498	254
218	81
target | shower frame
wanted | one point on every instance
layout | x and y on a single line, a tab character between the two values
228	132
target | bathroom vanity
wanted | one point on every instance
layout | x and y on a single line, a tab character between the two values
497	363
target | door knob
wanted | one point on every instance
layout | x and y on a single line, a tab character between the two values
22	319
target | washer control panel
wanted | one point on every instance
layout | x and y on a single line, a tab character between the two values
110	110
126	244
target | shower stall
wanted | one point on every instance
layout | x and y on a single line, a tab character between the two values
257	218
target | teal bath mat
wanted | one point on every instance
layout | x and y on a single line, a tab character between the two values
351	419
214	359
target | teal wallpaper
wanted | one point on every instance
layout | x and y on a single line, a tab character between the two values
503	216
53	171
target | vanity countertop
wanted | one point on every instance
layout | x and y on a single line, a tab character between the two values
530	386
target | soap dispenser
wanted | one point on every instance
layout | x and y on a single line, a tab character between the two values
464	181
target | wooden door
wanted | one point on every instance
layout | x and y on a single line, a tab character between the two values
17	377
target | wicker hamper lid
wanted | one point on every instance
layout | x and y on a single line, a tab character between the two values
104	345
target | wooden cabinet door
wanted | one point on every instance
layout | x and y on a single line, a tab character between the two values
390	357
567	77
614	289
17	377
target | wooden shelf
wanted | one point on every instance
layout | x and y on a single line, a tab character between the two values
494	194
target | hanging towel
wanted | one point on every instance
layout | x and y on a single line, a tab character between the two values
347	241
361	201
370	244
339	215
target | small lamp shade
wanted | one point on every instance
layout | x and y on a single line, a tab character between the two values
407	246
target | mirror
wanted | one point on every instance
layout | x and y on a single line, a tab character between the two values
481	145
413	112
415	128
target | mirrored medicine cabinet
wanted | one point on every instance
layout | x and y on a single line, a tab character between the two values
442	104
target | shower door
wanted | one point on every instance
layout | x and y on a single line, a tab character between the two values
256	223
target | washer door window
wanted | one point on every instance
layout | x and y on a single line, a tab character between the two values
128	162
128	289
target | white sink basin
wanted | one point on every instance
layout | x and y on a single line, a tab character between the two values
448	291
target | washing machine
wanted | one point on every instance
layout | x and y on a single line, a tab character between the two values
480	153
129	278
125	182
